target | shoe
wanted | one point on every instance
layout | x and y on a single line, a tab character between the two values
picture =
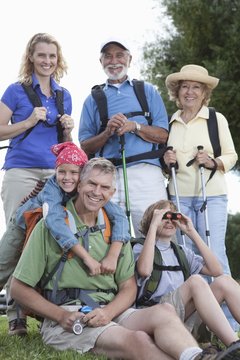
17	327
231	353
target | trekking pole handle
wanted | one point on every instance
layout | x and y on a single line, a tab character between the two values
172	165
200	147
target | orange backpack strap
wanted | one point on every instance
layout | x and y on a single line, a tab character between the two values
31	218
107	231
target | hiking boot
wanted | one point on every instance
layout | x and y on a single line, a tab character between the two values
231	353
17	327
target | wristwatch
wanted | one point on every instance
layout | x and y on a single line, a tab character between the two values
138	127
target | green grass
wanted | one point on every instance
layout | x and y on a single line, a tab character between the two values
31	346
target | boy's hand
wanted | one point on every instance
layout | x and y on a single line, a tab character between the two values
185	224
108	264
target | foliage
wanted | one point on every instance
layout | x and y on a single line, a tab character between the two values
32	347
233	244
206	33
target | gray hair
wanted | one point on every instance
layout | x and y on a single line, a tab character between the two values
103	165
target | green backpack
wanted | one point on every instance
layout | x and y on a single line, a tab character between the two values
154	280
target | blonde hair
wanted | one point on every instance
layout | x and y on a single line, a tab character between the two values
173	91
26	68
148	214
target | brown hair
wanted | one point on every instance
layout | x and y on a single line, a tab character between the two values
148	214
26	68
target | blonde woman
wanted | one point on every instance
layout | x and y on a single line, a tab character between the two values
32	130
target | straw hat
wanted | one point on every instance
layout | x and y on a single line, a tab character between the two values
192	73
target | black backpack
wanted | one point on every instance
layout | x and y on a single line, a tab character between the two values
36	102
100	98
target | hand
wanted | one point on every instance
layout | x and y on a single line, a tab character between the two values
67	123
156	222
97	317
68	318
184	223
170	157
93	265
115	122
39	113
108	264
202	158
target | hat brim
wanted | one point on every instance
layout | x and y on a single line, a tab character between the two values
113	42
172	79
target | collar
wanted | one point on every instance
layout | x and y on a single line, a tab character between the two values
53	84
127	80
203	113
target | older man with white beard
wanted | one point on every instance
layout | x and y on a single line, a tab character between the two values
128	131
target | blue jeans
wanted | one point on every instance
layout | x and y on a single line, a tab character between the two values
217	224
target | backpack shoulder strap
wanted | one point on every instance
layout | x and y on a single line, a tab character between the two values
101	101
60	101
60	107
152	283
138	86
182	259
32	95
213	132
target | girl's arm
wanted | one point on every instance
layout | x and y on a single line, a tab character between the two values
119	222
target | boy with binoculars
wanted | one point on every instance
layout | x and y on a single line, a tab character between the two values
170	273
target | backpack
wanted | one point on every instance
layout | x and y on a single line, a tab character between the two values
213	136
155	278
99	96
212	131
36	102
32	217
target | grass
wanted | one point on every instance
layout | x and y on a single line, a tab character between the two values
31	346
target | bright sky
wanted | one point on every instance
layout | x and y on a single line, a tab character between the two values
80	27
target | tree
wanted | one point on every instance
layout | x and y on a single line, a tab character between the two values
206	33
233	244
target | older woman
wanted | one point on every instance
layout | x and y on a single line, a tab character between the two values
191	89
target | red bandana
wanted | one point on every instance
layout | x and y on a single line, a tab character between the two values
69	153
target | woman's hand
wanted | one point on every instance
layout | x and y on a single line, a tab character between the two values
170	157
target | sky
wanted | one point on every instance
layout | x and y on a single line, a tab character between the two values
81	27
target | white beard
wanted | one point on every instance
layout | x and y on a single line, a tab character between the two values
116	76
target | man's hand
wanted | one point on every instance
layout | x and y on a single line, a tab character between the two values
97	317
120	125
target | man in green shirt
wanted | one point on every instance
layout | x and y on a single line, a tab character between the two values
112	328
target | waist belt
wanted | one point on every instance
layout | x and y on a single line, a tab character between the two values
154	154
70	294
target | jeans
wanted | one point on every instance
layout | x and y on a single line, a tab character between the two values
216	214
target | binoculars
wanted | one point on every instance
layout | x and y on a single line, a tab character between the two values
172	215
78	325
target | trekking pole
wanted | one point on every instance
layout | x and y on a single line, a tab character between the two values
173	172
204	206
127	202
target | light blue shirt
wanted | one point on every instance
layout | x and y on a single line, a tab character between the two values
122	99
